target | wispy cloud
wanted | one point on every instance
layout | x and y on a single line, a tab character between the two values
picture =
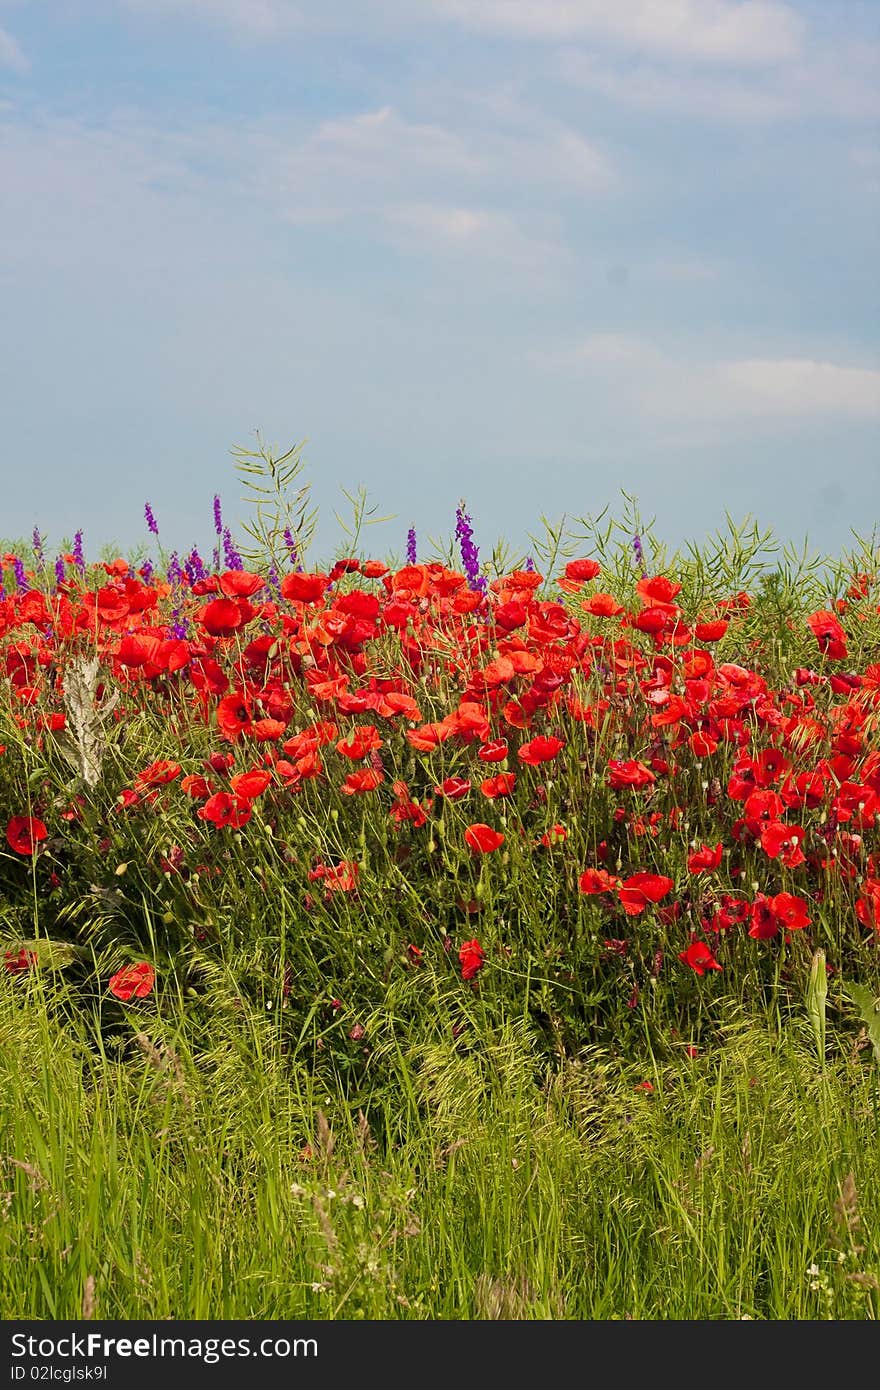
713	31
11	55
645	87
478	234
799	386
666	384
263	19
841	81
416	186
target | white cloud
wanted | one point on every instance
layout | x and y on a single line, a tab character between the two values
493	238
263	19
669	385
646	87
715	31
842	81
444	225
90	194
375	141
11	55
799	386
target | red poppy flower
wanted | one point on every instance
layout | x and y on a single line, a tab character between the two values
657	590
639	889
712	630
482	839
868	905
18	962
594	881
629	774
304	588
222	809
471	956
250	784
366	779
240	584
493	752
702	744
234	716
703	860
554	836
337	878
157	774
778	839
267	730
540	750
501	784
453	788
603	606
790	910
24	832
829	634
699	958
132	981
765	924
363	739
221	617
582	570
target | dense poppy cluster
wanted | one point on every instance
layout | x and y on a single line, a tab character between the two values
494	692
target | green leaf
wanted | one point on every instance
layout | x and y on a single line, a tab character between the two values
869	1008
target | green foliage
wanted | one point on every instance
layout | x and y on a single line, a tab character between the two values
315	1115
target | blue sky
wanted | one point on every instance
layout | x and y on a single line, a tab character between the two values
528	254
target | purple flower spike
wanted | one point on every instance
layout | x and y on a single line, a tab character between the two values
38	548
529	564
470	555
230	554
218	517
59	570
194	566
147	571
152	524
639	554
21	580
79	558
175	573
411	546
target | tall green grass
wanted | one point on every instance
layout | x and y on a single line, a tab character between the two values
160	1176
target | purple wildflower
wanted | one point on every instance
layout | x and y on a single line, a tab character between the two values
59	570
194	566
21	579
639	554
230	554
470	555
529	564
38	548
79	558
218	527
147	571
291	546
152	524
179	628
411	546
175	573
274	581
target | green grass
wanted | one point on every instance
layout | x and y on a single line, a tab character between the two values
178	1180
